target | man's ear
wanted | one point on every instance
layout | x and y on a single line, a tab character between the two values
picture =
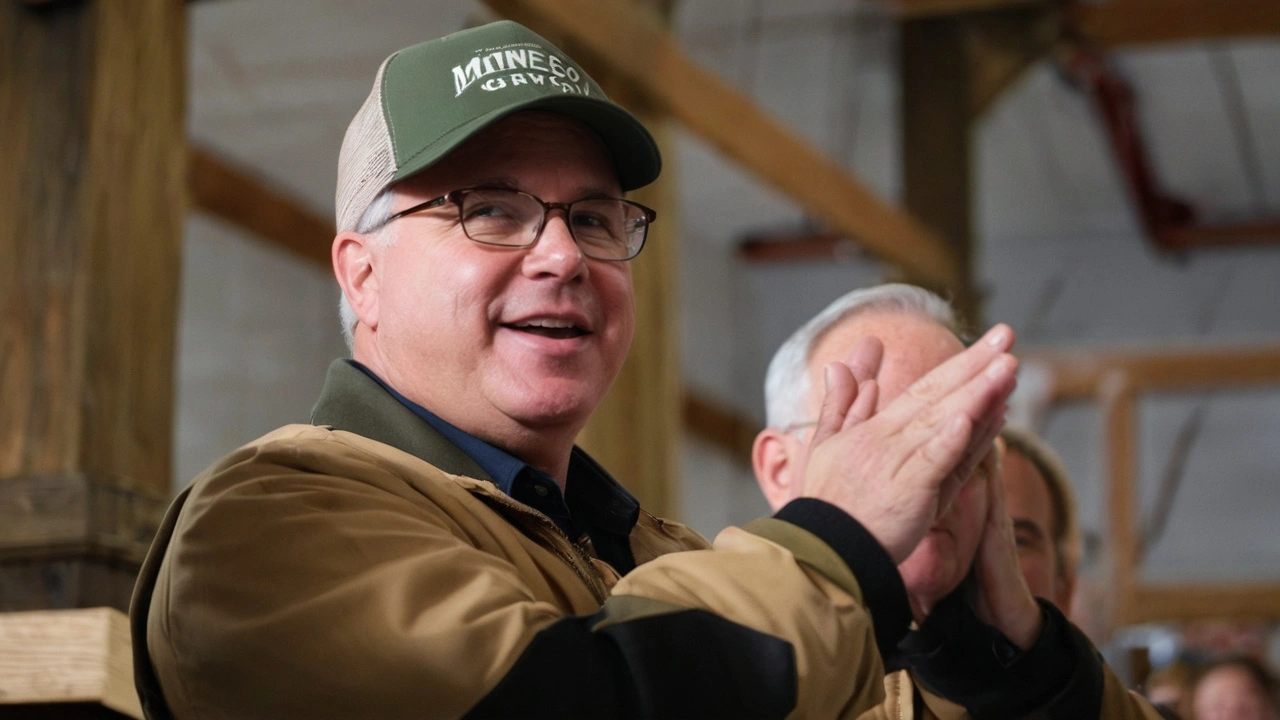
773	459
354	265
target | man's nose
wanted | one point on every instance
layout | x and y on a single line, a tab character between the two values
556	253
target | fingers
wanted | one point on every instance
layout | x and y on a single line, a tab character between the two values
986	355
981	446
842	389
864	406
864	362
865	358
937	456
998	519
980	402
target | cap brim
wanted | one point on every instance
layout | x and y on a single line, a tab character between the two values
633	150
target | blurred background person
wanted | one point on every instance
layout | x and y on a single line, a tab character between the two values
1236	688
1043	507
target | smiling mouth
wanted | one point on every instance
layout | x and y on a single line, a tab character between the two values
549	329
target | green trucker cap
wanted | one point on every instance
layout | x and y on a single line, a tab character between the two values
429	98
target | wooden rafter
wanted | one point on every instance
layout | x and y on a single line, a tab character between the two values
1117	379
253	204
1181	603
1077	374
1003	46
720	426
1135	22
630	43
929	8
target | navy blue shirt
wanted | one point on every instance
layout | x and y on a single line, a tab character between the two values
594	504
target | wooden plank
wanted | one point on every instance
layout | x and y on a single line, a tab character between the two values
936	153
1077	374
907	9
617	36
253	204
67	656
720	426
1187	602
1139	22
1119	410
798	247
636	431
90	237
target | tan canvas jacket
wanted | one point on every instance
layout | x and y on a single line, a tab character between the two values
343	573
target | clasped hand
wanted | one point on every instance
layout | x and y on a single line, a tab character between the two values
898	470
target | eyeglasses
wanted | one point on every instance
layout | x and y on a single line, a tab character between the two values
604	228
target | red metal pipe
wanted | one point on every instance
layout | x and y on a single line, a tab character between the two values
1169	222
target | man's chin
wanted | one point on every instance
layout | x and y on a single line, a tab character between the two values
550	405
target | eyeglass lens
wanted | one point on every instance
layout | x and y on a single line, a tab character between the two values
605	229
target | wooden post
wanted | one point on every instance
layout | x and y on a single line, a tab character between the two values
637	430
92	200
1119	407
936	155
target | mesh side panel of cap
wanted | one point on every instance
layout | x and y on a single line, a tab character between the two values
366	163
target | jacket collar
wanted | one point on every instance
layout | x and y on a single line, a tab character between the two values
354	402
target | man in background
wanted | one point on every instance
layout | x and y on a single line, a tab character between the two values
1043	509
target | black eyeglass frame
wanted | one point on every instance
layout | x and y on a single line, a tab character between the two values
457	196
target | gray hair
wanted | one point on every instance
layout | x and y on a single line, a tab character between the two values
374	223
786	383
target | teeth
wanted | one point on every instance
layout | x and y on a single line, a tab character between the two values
547	323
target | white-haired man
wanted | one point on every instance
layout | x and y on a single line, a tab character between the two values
434	545
972	649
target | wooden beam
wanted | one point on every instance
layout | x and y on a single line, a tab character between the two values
929	8
1140	22
636	431
1077	374
634	44
1120	429
253	204
1182	603
79	660
720	426
799	246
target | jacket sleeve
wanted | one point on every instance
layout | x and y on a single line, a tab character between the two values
296	594
1061	677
